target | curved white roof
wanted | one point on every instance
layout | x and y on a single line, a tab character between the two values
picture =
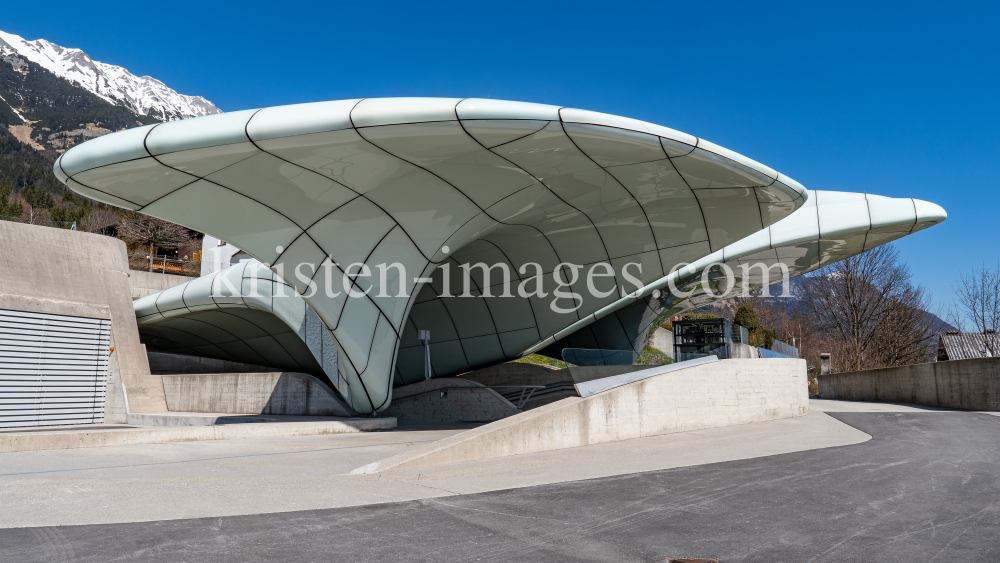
399	179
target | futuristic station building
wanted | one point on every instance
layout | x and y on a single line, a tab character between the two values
325	195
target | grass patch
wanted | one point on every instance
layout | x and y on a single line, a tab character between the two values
653	357
540	360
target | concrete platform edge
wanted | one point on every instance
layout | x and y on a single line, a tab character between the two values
35	441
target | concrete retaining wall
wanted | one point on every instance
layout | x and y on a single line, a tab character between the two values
559	382
721	393
958	384
422	403
164	363
251	393
63	272
663	340
515	374
148	283
533	374
743	351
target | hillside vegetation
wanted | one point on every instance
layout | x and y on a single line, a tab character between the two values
27	176
59	111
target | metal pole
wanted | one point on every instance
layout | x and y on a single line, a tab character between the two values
425	338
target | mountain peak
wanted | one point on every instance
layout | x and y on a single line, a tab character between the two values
144	96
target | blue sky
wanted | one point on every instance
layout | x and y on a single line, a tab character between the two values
897	99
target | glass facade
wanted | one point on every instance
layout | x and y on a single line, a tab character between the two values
699	336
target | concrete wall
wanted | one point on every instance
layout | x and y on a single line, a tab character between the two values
743	351
115	407
422	403
558	382
958	384
533	374
516	374
63	272
721	393
252	393
164	363
662	340
148	283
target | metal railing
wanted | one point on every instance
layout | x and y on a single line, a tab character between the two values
596	357
71	225
162	264
785	349
686	356
765	353
526	391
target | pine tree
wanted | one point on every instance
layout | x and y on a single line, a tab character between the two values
8	208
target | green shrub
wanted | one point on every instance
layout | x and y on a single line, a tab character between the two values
746	318
759	336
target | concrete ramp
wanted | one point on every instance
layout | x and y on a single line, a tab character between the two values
558	383
594	386
721	393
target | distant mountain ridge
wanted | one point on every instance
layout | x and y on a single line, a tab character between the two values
794	302
143	96
53	98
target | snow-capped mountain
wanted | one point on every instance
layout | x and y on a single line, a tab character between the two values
144	96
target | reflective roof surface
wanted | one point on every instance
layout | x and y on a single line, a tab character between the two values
431	181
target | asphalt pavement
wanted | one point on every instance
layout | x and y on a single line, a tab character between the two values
925	488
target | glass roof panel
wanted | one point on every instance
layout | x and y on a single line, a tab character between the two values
299	194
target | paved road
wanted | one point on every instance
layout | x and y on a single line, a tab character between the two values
925	488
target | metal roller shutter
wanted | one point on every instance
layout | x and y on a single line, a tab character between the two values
53	369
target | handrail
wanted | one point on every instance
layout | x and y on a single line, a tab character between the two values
529	389
71	225
160	263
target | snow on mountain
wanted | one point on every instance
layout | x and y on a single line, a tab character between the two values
142	95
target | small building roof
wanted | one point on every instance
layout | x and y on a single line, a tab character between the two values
955	345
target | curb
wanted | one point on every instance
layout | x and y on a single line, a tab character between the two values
85	438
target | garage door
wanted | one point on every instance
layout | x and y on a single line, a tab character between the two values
53	369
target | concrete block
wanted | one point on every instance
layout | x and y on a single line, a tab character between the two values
672	402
